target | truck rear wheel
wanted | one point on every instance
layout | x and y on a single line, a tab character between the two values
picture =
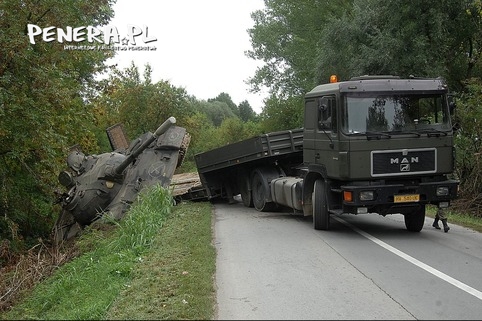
260	192
414	221
321	215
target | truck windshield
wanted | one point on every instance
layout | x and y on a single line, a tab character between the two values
371	112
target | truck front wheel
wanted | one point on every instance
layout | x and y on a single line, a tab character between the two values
414	221
321	215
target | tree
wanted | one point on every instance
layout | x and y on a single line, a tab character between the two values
282	114
246	113
226	98
137	102
429	39
234	130
468	141
285	37
216	111
42	110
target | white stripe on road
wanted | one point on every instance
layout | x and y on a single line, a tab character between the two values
428	268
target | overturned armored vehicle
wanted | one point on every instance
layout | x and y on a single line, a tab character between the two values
106	184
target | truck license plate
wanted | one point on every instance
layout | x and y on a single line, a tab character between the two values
406	198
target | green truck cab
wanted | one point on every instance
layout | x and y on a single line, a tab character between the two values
373	144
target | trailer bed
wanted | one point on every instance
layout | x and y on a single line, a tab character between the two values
262	147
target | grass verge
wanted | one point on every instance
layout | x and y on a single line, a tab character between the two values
175	281
158	263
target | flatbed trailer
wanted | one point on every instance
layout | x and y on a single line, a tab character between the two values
372	144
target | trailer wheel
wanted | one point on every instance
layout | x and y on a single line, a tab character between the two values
321	215
260	192
245	191
414	221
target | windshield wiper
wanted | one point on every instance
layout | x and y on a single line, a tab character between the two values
432	132
399	132
376	135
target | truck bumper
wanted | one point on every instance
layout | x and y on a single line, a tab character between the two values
397	198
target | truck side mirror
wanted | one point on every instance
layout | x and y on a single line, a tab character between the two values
324	120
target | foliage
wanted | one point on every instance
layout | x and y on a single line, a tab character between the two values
233	130
246	112
282	114
429	39
138	103
469	147
216	111
285	37
226	98
41	108
206	136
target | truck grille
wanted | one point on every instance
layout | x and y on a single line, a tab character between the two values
403	162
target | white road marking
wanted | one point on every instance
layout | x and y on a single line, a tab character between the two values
414	261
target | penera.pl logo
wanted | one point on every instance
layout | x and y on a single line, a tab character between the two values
134	38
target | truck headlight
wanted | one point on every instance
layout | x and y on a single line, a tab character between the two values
367	196
442	191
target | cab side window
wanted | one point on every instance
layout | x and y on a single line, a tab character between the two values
327	113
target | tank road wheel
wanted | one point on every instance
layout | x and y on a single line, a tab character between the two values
260	192
414	221
245	191
321	215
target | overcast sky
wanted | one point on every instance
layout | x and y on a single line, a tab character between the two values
200	44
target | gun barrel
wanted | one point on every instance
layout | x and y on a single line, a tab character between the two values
159	131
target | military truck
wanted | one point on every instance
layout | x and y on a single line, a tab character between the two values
371	144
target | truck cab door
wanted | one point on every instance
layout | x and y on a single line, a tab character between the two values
326	133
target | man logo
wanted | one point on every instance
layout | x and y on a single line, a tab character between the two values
404	160
405	168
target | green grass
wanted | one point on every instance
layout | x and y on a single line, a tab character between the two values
175	281
158	263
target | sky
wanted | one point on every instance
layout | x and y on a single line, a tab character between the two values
200	44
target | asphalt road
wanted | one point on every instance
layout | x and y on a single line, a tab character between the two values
276	266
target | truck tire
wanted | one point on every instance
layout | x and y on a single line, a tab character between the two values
414	221
245	191
260	192
321	215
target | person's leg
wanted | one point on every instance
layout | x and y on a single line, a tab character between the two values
443	218
446	226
